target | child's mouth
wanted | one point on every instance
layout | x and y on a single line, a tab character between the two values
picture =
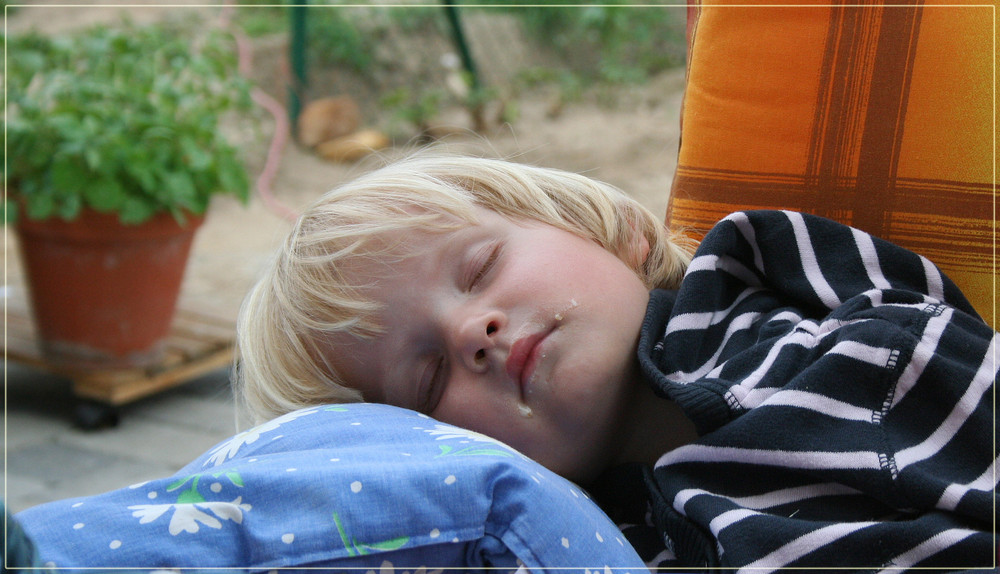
523	358
527	352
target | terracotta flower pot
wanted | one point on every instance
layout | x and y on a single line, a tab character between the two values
103	294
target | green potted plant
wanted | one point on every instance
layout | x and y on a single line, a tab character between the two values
113	133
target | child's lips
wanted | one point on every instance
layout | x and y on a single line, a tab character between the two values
523	358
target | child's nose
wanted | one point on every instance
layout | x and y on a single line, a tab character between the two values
476	338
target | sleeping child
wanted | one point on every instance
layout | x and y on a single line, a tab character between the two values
795	394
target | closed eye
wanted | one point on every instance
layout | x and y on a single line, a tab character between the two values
431	386
484	262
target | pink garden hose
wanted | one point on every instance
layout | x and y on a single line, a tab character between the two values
281	124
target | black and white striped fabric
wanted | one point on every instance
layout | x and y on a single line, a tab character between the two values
844	393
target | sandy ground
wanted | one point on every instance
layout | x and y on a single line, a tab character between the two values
631	143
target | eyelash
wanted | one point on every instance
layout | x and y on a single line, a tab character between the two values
429	394
487	265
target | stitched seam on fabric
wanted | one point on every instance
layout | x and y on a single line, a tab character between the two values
734	404
934	310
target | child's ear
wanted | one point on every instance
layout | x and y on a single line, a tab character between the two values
638	249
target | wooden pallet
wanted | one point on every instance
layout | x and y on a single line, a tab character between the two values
197	344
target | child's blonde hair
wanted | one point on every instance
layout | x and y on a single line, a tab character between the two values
305	295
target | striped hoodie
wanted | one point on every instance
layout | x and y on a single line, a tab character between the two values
843	391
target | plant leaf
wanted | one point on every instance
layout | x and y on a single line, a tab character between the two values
197	158
105	194
181	188
136	210
69	206
40	205
68	175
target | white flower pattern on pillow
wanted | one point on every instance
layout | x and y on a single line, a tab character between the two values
189	517
231	447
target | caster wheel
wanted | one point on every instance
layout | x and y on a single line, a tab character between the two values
94	416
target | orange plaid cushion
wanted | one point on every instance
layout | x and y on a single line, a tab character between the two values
880	117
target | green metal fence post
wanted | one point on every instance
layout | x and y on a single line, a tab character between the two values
463	48
297	50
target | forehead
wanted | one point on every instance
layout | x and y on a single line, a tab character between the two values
390	252
400	251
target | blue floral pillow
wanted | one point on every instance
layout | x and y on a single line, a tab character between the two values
344	486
